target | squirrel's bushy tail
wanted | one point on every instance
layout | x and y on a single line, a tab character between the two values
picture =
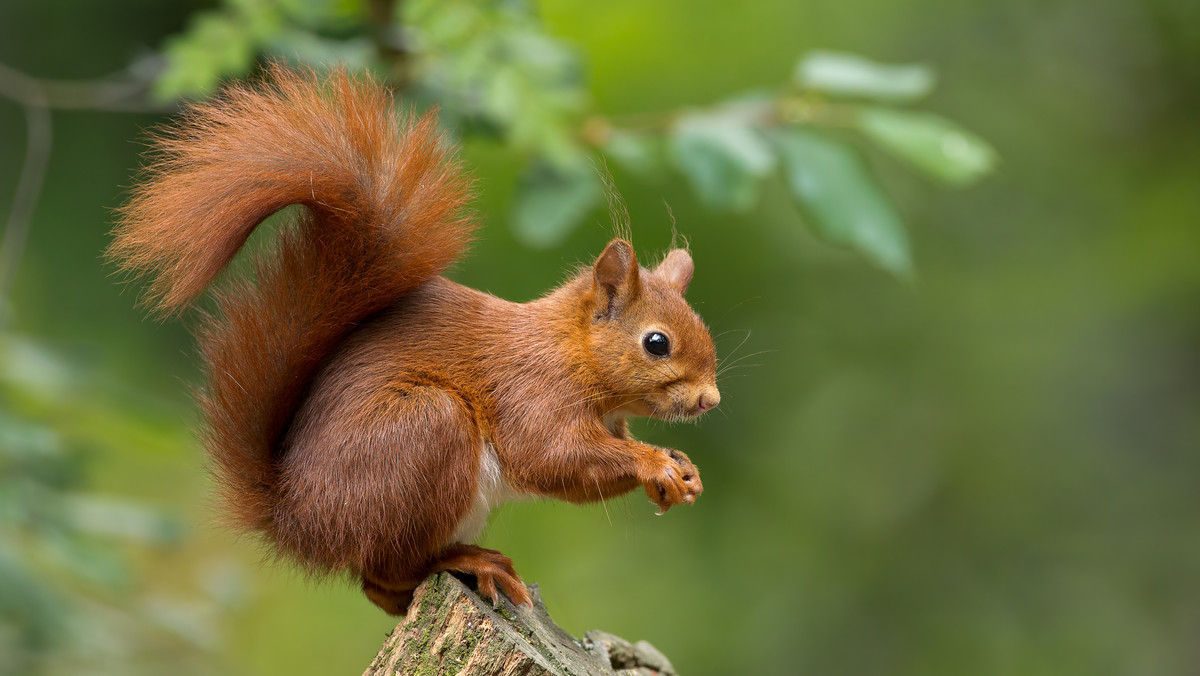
383	211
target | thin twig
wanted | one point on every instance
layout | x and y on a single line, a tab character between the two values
788	109
38	97
125	91
39	139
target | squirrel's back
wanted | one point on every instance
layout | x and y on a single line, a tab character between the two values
383	212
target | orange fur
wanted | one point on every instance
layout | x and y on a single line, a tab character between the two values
353	395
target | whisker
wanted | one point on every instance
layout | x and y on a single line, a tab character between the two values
736	306
602	502
727	331
620	405
734	367
595	397
727	364
734	351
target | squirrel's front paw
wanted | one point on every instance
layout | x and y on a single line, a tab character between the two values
672	480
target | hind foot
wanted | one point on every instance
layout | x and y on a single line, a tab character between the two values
392	601
491	570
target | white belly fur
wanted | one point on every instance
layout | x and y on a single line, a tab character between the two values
491	492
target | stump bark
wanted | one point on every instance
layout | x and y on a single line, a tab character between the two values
451	630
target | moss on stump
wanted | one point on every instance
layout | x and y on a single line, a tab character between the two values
451	630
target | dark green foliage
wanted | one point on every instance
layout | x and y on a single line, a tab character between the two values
492	70
65	570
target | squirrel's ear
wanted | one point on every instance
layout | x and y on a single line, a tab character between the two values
676	270
616	277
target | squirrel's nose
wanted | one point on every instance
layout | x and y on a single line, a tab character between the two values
708	400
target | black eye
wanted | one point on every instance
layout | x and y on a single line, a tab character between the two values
657	344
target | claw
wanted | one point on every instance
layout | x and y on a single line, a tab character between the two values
490	568
675	481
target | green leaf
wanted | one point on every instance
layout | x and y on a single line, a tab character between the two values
851	75
552	201
260	18
34	371
724	158
299	46
37	606
111	517
502	94
846	205
930	142
88	559
640	154
22	440
214	46
329	14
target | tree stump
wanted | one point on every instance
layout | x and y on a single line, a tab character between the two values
451	630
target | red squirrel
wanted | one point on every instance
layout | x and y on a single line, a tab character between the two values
363	413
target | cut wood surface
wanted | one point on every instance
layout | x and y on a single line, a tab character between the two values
451	630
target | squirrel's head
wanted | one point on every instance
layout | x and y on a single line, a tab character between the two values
650	349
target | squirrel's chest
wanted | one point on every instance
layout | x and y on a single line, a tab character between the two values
491	491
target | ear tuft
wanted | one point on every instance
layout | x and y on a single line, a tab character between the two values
616	276
676	270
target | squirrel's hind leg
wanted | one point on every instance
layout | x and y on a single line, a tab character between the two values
493	572
392	601
379	483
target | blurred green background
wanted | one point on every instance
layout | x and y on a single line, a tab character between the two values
987	467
